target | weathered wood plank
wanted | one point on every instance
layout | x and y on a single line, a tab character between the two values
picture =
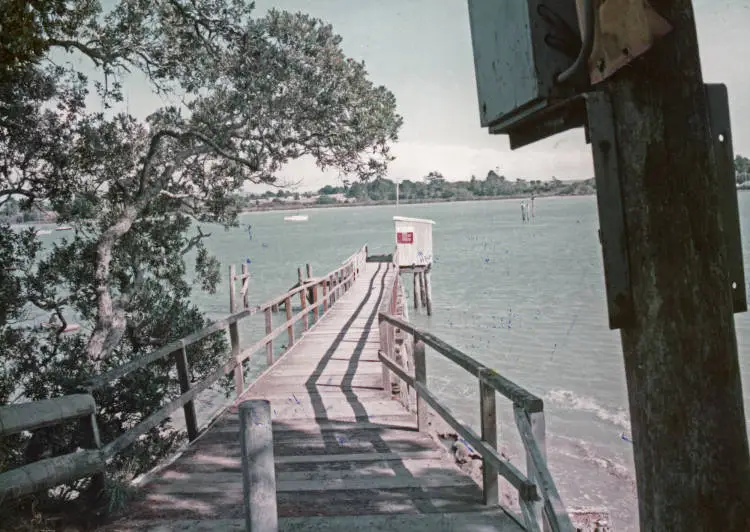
341	446
473	521
49	473
333	484
38	414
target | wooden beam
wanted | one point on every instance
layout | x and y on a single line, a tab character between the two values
37	414
183	375
50	472
231	289
488	421
554	509
290	328
420	376
510	472
239	377
269	338
690	443
509	389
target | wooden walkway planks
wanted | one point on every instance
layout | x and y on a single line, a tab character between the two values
343	448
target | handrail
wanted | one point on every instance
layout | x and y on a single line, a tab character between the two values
530	402
50	472
541	505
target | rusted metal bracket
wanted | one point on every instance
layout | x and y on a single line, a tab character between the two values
721	135
600	131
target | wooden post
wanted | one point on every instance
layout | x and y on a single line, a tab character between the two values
303	300
315	303
423	289
245	284
428	292
258	469
385	346
269	343
325	294
239	377
309	270
681	365
290	329
420	375
538	431
231	288
488	412
183	375
415	291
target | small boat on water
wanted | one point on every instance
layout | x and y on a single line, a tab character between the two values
43	232
296	218
64	228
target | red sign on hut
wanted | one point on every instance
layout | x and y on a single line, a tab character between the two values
405	238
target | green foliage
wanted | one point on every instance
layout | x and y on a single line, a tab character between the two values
256	93
326	200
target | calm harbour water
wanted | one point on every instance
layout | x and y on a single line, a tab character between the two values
525	299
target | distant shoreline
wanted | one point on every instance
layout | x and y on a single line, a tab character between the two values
294	206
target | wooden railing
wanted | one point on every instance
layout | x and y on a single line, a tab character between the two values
540	503
51	472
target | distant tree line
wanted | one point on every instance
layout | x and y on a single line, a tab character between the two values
435	186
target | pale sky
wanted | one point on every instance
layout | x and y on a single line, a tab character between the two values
421	50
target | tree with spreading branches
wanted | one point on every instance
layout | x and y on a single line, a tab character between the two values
249	94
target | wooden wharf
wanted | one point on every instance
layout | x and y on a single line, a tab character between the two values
354	445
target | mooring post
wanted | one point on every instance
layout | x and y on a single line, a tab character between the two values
231	288
423	288
680	347
415	292
258	470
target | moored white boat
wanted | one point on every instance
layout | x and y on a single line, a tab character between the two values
296	218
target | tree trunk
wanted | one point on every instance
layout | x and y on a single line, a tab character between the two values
685	394
110	320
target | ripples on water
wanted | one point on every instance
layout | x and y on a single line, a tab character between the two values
525	299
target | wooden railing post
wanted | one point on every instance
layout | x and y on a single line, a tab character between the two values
315	302
325	293
538	431
420	376
245	284
258	471
290	329
303	300
231	288
386	349
309	270
183	375
239	377
269	344
488	413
